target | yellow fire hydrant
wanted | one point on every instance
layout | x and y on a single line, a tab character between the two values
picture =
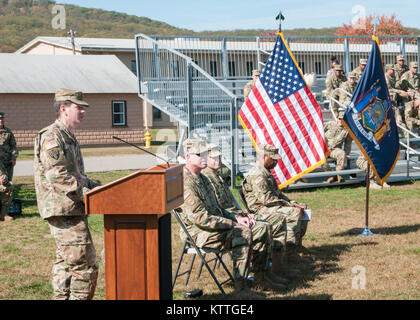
147	138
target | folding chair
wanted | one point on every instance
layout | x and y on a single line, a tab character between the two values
190	247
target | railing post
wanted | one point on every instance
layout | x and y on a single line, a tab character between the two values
347	55
418	47
259	63
156	62
225	67
190	99
233	142
402	47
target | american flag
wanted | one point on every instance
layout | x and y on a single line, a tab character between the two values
281	111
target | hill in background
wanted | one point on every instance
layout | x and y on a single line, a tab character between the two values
23	20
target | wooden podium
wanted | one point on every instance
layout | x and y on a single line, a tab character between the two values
137	231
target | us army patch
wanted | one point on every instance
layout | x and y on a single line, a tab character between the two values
51	145
258	180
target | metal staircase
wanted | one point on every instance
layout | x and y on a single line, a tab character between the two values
207	108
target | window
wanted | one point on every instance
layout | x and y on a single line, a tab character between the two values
119	113
134	66
157	114
249	68
232	69
213	68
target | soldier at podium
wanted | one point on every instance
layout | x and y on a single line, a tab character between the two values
60	185
211	226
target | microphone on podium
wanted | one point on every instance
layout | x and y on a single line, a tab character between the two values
133	145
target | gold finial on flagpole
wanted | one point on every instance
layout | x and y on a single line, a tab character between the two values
280	17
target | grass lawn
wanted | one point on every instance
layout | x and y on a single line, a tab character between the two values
389	260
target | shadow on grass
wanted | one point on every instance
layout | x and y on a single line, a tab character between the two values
384	231
322	260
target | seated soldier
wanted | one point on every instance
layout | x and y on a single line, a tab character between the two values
210	226
412	114
226	200
265	200
336	134
362	164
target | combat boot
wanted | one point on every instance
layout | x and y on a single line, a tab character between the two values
243	292
340	179
276	278
374	185
332	179
262	281
386	185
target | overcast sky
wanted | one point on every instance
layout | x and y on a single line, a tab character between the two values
199	15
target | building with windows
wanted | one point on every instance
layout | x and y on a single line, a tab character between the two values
28	84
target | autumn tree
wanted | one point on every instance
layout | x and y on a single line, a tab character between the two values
364	27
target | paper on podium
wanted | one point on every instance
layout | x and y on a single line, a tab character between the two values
306	215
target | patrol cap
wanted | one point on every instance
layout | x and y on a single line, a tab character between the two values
400	57
70	95
195	146
271	151
256	72
352	75
338	67
1	114
389	66
213	150
363	61
414	64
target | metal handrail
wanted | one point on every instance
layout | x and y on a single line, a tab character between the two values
189	61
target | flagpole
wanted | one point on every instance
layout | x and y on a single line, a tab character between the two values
366	232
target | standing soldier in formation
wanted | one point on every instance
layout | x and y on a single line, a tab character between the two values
248	87
348	86
60	185
400	67
265	200
359	70
8	155
334	81
336	135
409	82
226	200
211	226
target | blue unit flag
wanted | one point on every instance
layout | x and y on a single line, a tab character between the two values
370	120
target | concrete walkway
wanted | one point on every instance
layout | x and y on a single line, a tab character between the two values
99	164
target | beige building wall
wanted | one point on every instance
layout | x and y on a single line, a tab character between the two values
26	114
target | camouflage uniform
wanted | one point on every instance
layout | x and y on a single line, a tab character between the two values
358	70
412	115
8	153
409	82
349	87
363	164
211	226
333	82
60	185
335	136
265	200
399	71
248	87
394	93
